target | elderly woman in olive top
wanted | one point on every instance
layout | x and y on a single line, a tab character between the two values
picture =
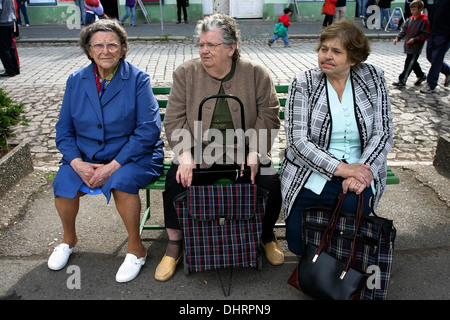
339	130
220	70
109	136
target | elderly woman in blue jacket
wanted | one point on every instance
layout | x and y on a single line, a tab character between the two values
339	130
109	136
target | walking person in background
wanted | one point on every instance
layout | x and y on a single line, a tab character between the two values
81	5
8	54
438	45
362	6
130	7
385	12
23	9
341	10
416	30
328	10
281	28
94	10
182	4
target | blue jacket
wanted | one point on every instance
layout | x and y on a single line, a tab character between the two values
124	124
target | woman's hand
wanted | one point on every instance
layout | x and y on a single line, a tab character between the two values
102	173
185	167
359	171
353	185
253	163
85	170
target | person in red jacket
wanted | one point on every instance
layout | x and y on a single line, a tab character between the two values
328	10
94	9
281	30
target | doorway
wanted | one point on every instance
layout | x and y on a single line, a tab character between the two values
246	9
111	8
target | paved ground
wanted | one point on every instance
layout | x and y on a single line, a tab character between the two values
419	206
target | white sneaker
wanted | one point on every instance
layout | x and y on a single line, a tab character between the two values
58	259
130	268
427	89
447	80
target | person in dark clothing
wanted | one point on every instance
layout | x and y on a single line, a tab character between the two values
7	48
181	4
385	12
438	45
415	31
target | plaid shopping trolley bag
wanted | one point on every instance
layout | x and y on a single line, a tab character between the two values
374	245
222	225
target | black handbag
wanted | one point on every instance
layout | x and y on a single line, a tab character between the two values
374	249
323	276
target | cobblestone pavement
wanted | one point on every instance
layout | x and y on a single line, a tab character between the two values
419	118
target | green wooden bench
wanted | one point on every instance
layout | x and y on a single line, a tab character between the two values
161	93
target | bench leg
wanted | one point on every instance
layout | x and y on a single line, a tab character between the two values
146	216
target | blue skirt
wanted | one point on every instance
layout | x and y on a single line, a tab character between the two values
129	178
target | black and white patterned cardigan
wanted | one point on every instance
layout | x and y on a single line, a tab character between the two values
308	128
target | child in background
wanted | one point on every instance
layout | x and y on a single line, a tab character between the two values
94	10
328	9
280	30
415	30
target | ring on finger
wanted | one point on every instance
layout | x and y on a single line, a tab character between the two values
358	184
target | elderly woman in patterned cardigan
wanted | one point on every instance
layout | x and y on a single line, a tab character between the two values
339	130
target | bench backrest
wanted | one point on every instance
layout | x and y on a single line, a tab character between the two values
162	95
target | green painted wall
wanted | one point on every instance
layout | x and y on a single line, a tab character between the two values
64	11
309	11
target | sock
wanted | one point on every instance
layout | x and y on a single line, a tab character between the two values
174	248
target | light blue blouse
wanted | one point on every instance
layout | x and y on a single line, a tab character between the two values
344	142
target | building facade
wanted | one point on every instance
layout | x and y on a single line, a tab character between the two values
59	11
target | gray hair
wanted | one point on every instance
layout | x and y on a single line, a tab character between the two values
230	31
108	25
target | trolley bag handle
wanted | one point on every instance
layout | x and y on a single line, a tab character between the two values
198	151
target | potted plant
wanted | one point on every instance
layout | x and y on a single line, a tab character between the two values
10	115
15	161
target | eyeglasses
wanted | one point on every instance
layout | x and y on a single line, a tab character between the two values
209	46
111	47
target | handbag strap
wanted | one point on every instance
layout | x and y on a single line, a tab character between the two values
328	234
359	214
330	226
